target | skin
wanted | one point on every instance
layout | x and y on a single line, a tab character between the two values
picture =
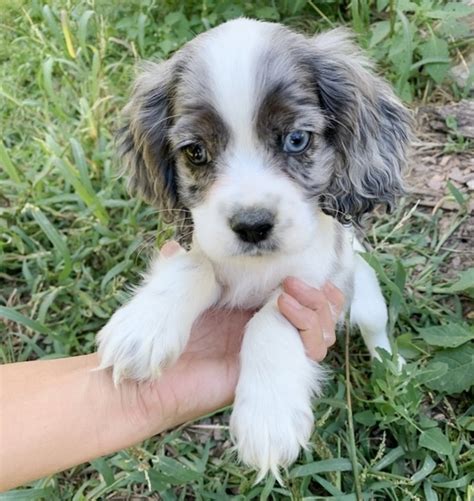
59	413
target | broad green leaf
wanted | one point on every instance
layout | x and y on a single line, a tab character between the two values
466	422
428	466
448	336
389	458
454	28
401	54
268	12
103	467
174	18
457	483
176	473
340	464
380	31
430	494
465	283
451	10
157	481
406	6
366	418
460	369
435	440
435	48
406	345
433	371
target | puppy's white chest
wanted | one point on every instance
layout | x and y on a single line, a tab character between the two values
249	283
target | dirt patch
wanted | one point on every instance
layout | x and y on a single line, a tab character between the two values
442	155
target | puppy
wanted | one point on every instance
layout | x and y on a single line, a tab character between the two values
269	143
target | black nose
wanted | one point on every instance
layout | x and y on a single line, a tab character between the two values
252	225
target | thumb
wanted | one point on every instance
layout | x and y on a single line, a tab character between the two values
170	248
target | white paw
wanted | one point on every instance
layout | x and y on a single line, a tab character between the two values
273	417
141	339
270	433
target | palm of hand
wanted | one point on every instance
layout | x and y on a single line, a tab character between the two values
205	376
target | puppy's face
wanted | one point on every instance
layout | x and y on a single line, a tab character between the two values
255	129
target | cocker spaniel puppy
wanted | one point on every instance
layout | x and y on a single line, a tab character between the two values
270	143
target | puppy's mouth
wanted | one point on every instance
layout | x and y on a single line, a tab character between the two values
260	249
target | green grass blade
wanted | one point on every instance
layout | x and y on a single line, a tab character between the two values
7	164
55	238
17	317
83	28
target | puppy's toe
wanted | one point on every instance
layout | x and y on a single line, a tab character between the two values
270	438
137	344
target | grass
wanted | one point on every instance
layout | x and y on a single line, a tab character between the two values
72	239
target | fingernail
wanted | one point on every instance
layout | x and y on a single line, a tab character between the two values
327	337
291	302
334	312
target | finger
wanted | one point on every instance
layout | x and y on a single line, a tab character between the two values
304	293
301	317
307	322
314	342
317	301
336	298
170	248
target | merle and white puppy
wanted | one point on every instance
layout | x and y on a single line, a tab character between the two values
270	142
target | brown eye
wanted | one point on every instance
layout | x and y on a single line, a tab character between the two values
196	154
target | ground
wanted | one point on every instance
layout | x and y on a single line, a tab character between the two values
73	239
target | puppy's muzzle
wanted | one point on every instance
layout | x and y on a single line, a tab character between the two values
252	225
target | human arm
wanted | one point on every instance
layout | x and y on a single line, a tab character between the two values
59	413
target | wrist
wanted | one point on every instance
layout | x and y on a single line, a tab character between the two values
129	412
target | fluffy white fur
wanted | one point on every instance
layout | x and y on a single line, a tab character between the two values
272	415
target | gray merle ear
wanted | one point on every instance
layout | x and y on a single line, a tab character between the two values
367	125
148	162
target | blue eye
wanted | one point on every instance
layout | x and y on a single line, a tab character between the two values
296	142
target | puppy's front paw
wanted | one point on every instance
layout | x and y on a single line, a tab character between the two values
141	339
269	432
273	417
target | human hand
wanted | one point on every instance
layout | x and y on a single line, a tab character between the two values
205	376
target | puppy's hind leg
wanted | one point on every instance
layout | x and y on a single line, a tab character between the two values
368	308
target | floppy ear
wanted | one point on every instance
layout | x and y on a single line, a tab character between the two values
143	141
367	125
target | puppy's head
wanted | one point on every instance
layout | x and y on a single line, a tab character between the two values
256	129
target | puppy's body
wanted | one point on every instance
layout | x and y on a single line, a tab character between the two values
269	142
